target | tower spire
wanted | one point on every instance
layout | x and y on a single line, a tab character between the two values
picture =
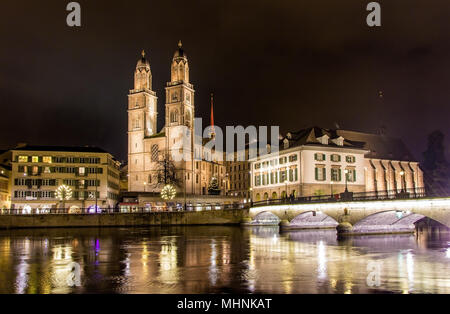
180	44
143	53
213	133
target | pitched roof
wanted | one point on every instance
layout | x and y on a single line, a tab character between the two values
312	135
379	146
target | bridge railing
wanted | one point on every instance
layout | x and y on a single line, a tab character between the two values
133	210
410	193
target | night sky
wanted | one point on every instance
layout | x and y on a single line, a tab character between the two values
289	63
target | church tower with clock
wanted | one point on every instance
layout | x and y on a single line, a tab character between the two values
147	147
179	97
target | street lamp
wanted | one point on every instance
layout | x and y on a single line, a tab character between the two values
346	176
331	188
145	186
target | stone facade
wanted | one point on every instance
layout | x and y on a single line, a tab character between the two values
147	147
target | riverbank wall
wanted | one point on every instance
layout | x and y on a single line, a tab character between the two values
207	217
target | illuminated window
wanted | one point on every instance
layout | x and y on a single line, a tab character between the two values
320	174
47	159
35	159
81	170
335	174
335	157
351	175
319	157
47	170
23	158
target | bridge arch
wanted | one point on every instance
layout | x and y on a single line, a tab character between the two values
312	220
266	218
388	221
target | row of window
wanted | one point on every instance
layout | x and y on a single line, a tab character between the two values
58	159
238	167
54	182
36	194
334	157
335	174
275	177
277	161
37	182
37	170
239	176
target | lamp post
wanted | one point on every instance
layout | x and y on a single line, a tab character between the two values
346	177
331	188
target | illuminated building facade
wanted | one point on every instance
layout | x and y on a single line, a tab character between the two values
5	186
147	147
91	174
239	177
316	161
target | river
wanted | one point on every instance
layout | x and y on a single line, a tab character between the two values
220	259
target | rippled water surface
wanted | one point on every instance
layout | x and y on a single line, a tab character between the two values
215	259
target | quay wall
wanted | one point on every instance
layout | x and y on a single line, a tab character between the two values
207	217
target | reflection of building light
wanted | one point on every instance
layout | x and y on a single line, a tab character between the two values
22	268
322	261
213	265
410	269
168	262
447	254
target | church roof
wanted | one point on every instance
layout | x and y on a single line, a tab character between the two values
380	146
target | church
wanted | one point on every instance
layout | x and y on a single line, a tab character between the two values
149	148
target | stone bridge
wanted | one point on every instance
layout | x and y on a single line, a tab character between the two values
355	217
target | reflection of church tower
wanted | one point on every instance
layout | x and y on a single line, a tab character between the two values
179	97
142	115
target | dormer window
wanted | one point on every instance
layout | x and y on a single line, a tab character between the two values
289	135
339	141
323	139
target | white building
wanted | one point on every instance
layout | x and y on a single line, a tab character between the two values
318	161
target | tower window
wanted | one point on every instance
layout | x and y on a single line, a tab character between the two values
174	116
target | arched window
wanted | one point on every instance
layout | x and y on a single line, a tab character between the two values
174	116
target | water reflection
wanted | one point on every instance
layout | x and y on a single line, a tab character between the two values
258	259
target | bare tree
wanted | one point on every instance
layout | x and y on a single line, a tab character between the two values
166	172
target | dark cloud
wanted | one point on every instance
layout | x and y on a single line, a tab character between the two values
287	63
